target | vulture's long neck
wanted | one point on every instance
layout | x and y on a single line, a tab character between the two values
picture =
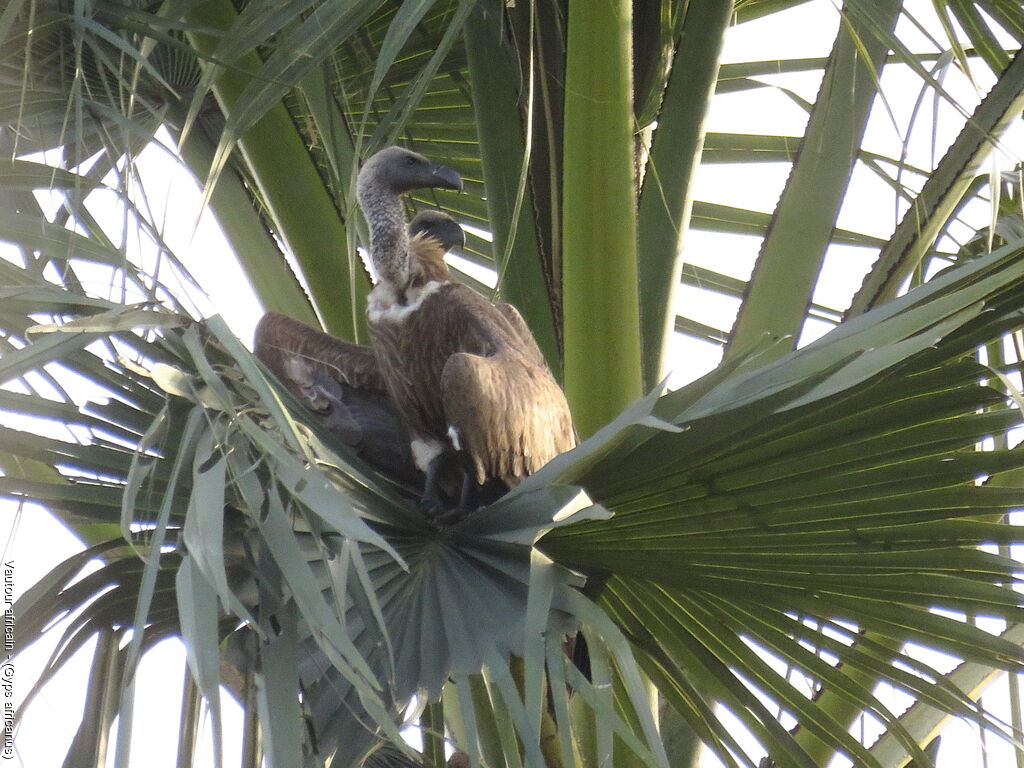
389	243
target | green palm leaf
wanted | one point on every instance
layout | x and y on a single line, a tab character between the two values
825	498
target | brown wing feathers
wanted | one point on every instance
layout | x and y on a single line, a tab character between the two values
523	433
463	372
459	362
451	368
340	383
498	393
282	341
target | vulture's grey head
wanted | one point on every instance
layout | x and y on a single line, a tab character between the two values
440	226
397	170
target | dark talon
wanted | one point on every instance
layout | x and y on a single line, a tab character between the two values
433	508
432	498
434	504
449	517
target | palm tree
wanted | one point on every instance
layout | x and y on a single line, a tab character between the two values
769	539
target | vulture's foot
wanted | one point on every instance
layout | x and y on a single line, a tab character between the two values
441	513
435	504
432	504
446	518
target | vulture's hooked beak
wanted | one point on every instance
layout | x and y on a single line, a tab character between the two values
446	177
459	237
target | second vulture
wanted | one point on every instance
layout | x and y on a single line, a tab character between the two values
465	375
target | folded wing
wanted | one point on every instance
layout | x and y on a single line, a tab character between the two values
340	384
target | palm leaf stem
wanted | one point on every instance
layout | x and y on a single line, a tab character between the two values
924	721
503	152
802	223
599	268
666	203
943	191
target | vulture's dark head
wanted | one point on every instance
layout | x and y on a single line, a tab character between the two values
440	226
398	170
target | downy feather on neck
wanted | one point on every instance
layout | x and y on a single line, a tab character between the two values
389	242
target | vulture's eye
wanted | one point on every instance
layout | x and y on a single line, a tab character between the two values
410	160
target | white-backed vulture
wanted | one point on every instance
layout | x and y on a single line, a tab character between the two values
339	382
465	375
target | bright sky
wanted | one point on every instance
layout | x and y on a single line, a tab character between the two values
36	542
